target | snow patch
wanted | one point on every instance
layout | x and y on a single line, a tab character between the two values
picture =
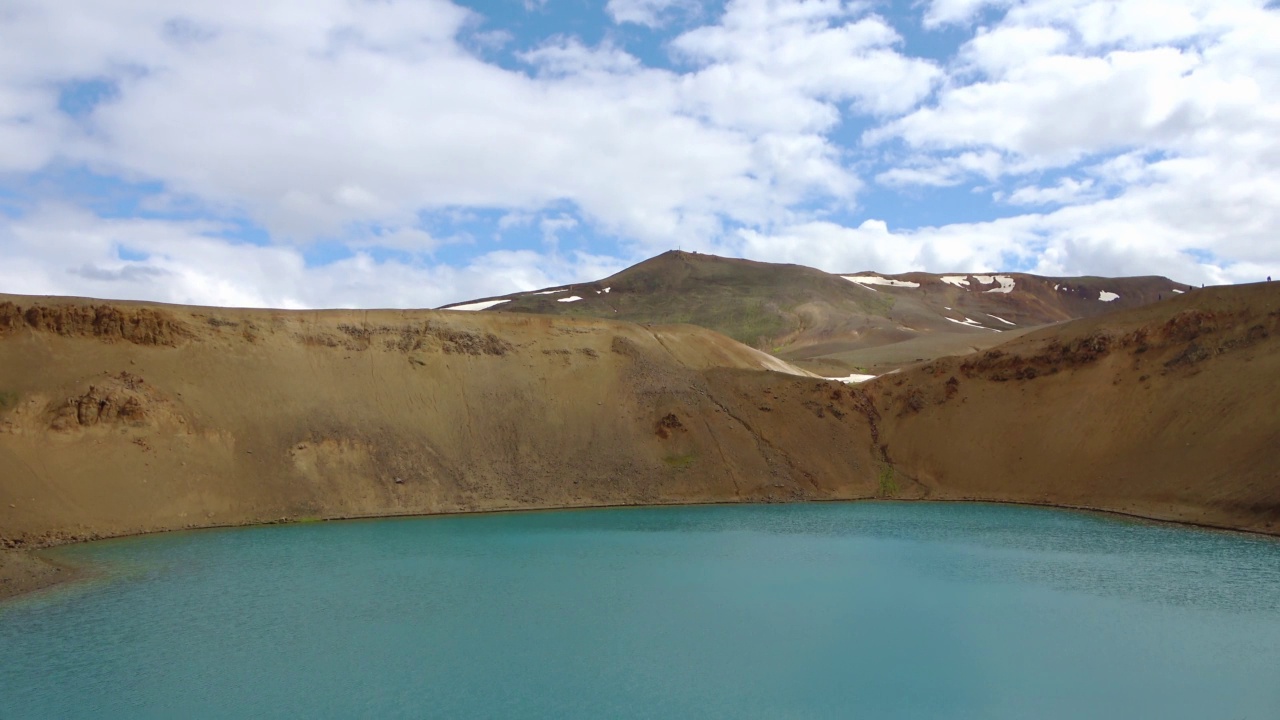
854	378
482	305
607	289
1178	291
959	281
984	279
571	298
972	323
877	280
1006	284
1006	322
550	292
1105	296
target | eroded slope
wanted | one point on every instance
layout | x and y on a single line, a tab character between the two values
231	417
1168	411
124	417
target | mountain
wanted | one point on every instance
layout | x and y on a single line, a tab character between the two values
120	418
836	324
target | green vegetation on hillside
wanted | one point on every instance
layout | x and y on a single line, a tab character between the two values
804	315
888	483
680	462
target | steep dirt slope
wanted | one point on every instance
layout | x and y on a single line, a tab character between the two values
125	417
836	323
120	418
1170	411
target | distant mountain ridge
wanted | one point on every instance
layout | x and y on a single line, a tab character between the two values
836	322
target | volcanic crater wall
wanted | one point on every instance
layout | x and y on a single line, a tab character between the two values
126	417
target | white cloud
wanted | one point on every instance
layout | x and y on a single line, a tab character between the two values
1148	231
64	251
313	117
1172	109
955	12
945	171
552	227
873	246
1057	108
770	50
357	122
1068	190
1058	80
651	13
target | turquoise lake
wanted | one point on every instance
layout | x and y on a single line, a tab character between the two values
863	610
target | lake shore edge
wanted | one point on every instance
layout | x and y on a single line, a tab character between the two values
27	571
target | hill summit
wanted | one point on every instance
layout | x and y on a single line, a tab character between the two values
836	323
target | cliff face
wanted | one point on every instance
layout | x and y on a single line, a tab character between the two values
1170	411
257	416
121	417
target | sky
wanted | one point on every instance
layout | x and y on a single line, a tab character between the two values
413	153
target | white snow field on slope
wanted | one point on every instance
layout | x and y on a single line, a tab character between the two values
550	292
571	298
960	281
482	305
1006	322
877	280
854	378
1105	296
971	323
1006	284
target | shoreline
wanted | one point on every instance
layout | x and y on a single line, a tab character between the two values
27	571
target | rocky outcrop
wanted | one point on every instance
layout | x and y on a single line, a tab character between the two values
110	323
123	399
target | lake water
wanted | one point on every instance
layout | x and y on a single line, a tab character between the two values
867	610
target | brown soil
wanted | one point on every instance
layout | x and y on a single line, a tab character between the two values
268	416
23	572
166	417
1166	412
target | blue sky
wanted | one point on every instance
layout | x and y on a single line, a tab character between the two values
420	152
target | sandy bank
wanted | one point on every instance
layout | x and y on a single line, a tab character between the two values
24	572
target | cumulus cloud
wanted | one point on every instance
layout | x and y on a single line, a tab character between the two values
939	13
765	52
1172	108
64	251
651	13
1125	138
1067	190
312	117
